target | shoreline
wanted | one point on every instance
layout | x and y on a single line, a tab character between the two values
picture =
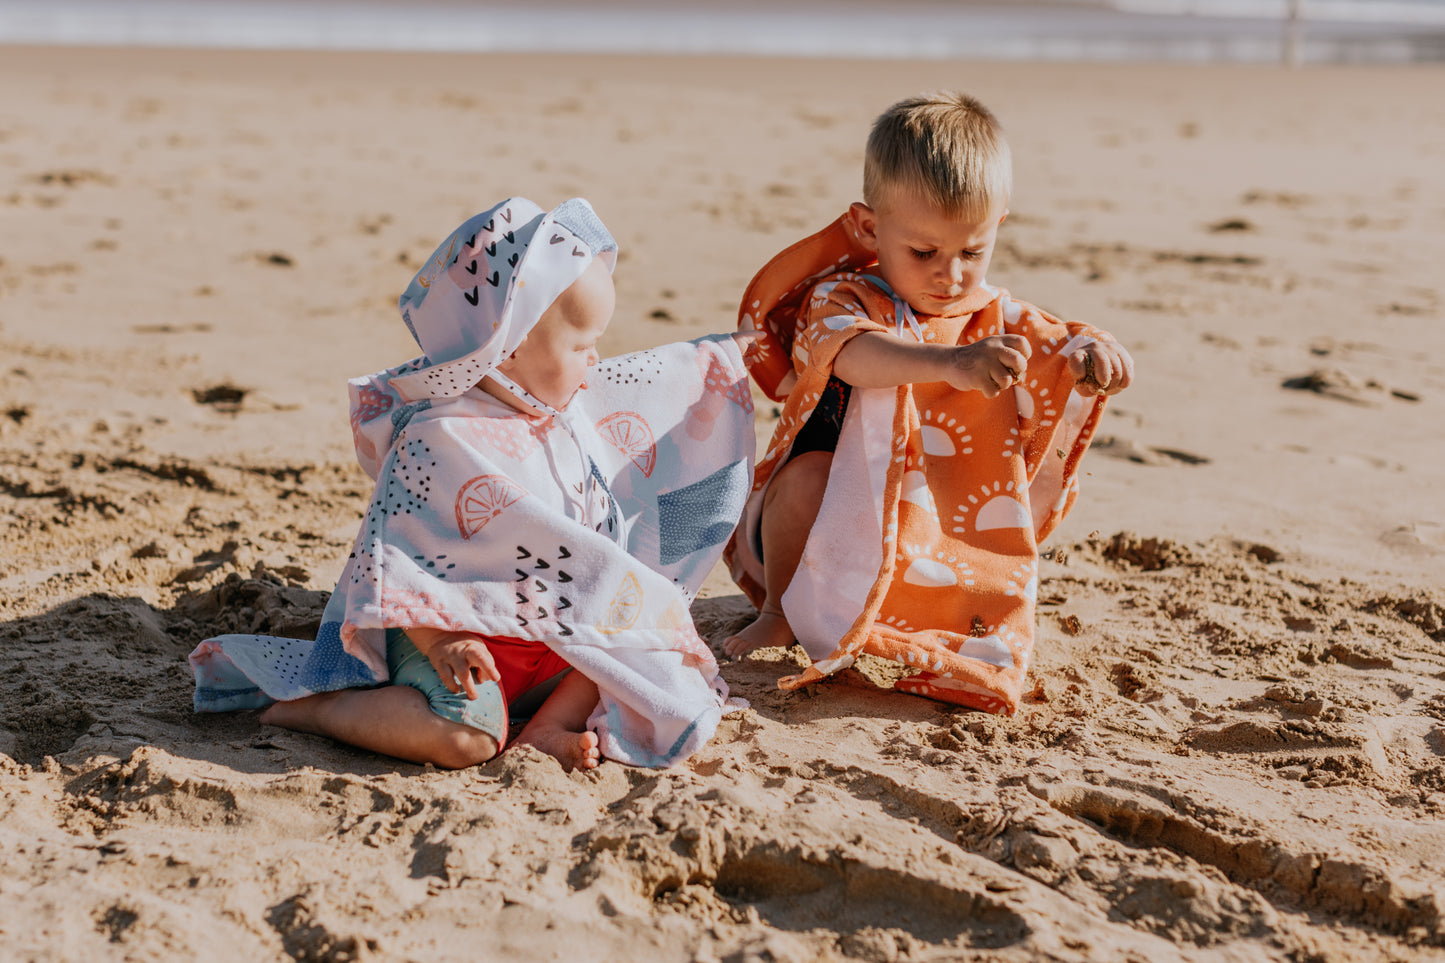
1034	31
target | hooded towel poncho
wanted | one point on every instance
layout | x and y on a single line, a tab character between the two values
925	550
589	529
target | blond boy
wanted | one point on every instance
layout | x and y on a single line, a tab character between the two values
932	429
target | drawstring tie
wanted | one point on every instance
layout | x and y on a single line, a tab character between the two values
903	313
579	507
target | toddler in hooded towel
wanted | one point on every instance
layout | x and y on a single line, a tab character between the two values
540	523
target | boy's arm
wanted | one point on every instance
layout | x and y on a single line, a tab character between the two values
874	359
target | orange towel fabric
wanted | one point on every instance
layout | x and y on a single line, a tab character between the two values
926	547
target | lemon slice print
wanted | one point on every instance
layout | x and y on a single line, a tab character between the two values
483	499
625	607
630	434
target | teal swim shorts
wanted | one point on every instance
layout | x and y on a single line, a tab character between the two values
487	712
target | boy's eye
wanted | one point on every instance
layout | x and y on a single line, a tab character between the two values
922	255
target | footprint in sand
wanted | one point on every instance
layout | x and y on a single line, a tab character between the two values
1130	450
198	327
1343	386
224	397
373	225
73	178
1423	538
1277	198
1213	260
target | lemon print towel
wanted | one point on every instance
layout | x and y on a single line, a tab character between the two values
589	529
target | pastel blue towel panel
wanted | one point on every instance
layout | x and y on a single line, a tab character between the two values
702	514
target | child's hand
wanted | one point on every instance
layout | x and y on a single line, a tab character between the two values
990	365
744	337
461	660
1102	368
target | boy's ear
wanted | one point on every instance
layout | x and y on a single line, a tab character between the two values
866	220
1003	216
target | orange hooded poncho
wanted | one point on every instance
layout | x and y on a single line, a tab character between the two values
925	550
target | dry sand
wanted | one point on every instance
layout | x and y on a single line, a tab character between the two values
1235	749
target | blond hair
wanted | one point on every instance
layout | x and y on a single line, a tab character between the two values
947	148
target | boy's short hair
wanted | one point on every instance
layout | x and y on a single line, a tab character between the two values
947	147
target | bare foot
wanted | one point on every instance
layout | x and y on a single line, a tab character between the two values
574	750
768	629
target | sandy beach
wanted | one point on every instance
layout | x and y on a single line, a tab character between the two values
1234	748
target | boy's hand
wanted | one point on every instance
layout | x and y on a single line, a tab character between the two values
462	660
989	365
1102	368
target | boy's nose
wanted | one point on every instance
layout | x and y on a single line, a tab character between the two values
956	271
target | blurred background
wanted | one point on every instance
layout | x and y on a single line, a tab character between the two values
1249	31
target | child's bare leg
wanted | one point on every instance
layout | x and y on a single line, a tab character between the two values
560	726
789	509
394	719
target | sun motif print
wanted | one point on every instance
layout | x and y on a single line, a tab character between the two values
964	486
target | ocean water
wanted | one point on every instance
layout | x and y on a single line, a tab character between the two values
1325	31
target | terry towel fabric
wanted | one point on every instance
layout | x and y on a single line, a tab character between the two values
925	550
590	529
